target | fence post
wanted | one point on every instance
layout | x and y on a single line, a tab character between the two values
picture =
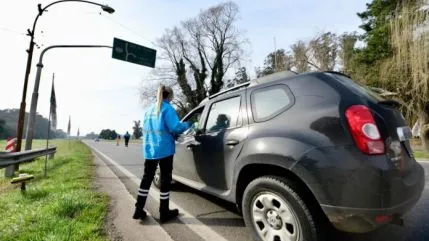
10	171
11	147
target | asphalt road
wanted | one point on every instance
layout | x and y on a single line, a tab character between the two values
214	216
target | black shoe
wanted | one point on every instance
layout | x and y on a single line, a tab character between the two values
168	215
139	214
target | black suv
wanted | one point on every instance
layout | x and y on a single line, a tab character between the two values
293	151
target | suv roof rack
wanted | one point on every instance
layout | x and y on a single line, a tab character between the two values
264	79
230	89
339	73
273	77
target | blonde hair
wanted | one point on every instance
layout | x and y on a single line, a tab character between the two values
164	92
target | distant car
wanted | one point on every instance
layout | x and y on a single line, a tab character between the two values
96	139
296	152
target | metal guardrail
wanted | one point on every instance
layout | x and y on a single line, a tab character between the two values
8	160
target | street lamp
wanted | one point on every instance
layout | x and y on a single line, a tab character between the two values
31	33
108	9
35	96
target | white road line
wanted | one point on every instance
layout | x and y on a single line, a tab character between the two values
161	233
205	232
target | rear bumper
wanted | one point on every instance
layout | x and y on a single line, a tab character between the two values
362	220
355	190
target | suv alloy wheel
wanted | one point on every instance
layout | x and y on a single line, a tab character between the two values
274	211
157	178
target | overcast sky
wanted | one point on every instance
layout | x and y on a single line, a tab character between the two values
99	92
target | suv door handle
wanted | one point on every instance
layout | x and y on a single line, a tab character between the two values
232	142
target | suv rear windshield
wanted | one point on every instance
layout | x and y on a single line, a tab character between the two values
357	87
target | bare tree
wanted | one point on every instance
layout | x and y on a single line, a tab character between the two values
203	49
324	50
150	87
276	61
347	43
172	50
222	39
300	56
194	51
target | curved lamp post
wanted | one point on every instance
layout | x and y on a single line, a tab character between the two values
31	33
35	96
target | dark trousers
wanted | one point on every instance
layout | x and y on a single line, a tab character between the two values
126	141
166	167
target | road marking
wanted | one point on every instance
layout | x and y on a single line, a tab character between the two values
193	223
153	225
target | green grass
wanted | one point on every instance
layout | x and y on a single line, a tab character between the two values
62	206
421	154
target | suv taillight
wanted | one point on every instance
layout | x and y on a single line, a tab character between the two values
364	130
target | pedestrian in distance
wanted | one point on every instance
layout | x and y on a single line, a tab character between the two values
161	123
118	139
127	138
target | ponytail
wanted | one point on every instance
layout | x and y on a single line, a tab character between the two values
164	92
159	99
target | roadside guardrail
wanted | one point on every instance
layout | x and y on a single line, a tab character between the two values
8	160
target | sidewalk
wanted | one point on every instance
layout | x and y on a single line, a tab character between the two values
422	159
119	224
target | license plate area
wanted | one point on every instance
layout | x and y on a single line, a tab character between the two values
404	136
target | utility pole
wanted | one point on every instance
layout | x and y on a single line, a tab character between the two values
21	117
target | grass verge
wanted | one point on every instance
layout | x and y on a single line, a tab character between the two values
421	154
62	206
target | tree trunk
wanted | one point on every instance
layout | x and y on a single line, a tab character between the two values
217	76
183	81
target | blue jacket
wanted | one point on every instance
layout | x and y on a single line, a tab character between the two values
159	131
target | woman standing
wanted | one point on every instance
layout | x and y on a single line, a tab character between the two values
160	125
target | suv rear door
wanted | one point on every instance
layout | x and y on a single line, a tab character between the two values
390	121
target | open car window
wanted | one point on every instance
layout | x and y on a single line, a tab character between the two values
194	118
224	114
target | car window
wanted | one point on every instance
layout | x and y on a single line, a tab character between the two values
357	87
270	101
194	118
224	114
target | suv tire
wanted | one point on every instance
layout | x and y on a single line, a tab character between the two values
157	178
268	202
